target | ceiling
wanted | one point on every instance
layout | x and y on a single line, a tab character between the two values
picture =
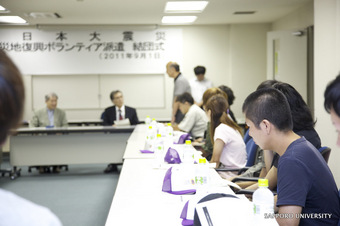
146	12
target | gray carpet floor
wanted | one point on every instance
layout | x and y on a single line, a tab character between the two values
81	196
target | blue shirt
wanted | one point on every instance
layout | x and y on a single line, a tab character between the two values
304	179
50	114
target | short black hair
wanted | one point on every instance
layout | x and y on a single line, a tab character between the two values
113	93
301	114
269	104
229	93
199	70
332	96
185	97
267	84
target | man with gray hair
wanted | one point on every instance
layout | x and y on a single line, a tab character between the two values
50	116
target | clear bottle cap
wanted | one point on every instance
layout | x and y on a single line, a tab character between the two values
263	183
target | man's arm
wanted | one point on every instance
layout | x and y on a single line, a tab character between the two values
106	119
64	122
272	179
175	107
268	158
34	121
134	119
289	211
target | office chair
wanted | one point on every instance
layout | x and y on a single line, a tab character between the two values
246	137
325	152
10	172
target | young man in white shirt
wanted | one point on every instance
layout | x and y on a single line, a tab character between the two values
199	85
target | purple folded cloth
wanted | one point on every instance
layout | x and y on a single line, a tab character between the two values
146	151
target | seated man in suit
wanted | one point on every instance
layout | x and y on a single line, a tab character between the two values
49	116
306	187
118	112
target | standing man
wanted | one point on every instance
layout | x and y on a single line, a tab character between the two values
118	112
181	86
50	115
304	190
199	85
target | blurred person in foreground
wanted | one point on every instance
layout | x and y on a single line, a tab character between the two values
15	210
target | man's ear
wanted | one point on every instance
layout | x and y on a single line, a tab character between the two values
266	126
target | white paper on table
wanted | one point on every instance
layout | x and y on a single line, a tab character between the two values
225	211
124	122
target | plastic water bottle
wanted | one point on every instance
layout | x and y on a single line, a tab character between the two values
188	152
159	150
263	200
169	134
150	139
169	131
202	176
147	120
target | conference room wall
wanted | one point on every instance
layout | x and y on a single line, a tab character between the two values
326	67
299	19
231	53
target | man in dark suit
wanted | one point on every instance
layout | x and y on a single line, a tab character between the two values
118	112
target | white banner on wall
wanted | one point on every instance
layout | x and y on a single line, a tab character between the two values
92	51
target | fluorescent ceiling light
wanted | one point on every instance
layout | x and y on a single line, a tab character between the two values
185	7
12	19
178	19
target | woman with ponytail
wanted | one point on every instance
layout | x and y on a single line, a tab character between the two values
229	150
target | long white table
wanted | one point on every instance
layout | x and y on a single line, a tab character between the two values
139	199
72	145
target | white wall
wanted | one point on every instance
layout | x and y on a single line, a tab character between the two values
231	53
326	67
248	61
299	19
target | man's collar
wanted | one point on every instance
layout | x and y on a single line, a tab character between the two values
177	76
121	108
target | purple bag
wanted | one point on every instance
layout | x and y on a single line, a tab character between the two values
183	138
168	188
172	156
